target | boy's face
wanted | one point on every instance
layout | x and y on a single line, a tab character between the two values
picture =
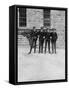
48	30
51	30
41	30
54	30
34	28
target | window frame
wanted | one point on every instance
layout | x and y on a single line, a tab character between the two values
19	26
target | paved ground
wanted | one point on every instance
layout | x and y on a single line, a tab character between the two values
36	67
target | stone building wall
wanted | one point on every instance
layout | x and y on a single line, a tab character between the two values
58	22
35	18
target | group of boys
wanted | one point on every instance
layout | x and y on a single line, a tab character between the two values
45	36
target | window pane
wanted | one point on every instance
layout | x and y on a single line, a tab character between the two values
22	17
22	24
46	17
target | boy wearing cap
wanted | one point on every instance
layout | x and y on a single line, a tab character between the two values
53	40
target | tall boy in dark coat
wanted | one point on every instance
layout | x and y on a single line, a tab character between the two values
53	40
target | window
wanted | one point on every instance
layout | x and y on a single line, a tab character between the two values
21	17
46	17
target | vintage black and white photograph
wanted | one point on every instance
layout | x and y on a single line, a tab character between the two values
40	44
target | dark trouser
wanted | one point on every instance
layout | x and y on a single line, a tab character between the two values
53	46
41	46
33	45
47	42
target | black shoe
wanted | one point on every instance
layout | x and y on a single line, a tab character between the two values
45	52
49	52
29	53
